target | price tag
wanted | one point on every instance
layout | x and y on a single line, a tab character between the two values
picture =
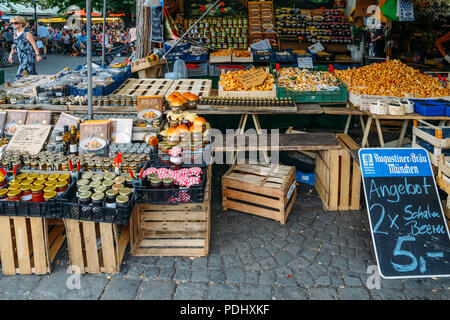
305	62
253	78
317	47
29	138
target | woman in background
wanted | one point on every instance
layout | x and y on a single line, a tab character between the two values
26	48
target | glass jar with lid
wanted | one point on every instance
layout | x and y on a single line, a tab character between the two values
122	201
110	201
50	195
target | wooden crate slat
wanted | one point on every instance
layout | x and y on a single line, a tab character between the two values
74	244
90	241
245	196
174	226
109	253
122	243
40	256
173	216
151	234
344	194
6	247
57	243
172	243
355	203
23	253
249	187
267	213
169	252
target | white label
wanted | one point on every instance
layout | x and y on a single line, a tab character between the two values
59	138
27	198
58	94
305	62
73	148
317	47
291	190
110	205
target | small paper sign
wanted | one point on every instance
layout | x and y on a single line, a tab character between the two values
253	78
305	62
29	138
317	47
149	102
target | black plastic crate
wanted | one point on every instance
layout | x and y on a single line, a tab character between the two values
193	194
71	209
50	209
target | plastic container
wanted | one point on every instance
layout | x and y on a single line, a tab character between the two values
197	70
429	108
215	70
303	177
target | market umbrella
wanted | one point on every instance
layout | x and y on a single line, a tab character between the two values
82	13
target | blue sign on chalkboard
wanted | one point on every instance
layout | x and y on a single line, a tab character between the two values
409	231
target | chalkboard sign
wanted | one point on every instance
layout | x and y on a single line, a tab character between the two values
157	25
408	227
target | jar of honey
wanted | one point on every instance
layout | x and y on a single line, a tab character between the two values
26	193
14	195
37	193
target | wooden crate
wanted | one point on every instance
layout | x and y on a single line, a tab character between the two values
338	177
96	247
144	87
28	245
436	140
264	190
172	230
199	87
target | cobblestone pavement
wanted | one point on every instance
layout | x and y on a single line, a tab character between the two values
315	255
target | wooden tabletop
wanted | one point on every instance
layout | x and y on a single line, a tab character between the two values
285	142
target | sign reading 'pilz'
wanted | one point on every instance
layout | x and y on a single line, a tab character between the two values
409	231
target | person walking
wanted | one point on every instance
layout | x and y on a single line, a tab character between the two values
26	48
43	33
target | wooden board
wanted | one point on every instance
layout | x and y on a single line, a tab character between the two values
85	254
172	230
144	87
338	178
28	245
284	142
199	87
264	190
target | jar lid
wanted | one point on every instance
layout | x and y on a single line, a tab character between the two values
85	195
156	180
37	188
119	179
50	182
64	176
110	176
87	176
117	186
53	176
27	181
97	196
125	191
112	193
82	182
14	193
97	177
84	188
100	189
168	180
42	176
39	182
108	183
21	176
95	184
26	187
50	188
122	199
49	195
33	176
13	186
61	184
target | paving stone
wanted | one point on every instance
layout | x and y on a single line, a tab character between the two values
214	261
166	274
230	261
304	279
348	252
323	236
267	278
308	254
268	263
336	279
217	276
283	257
201	262
297	238
222	292
391	283
182	275
293	249
332	229
182	263
53	286
316	270
256	242
387	294
353	294
286	280
413	283
18	287
339	262
235	275
352	280
91	288
322	294
121	289
312	244
252	292
190	291
151	261
135	272
260	253
323	281
251	277
299	263
279	243
156	290
247	259
324	258
200	275
228	249
166	262
289	293
421	294
355	265
150	273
